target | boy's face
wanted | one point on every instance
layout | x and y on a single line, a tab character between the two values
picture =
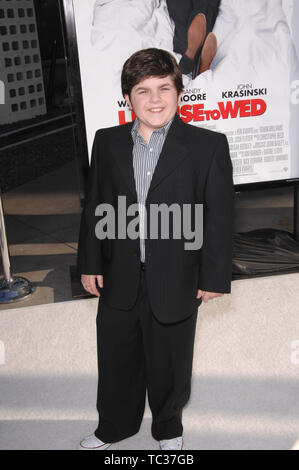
154	100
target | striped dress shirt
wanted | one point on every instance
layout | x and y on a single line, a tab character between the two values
145	158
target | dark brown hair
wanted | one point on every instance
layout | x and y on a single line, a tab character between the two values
147	63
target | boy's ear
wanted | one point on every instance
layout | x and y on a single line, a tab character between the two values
180	96
128	101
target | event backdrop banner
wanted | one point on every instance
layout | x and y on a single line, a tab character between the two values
250	92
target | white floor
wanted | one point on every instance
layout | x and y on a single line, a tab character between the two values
245	392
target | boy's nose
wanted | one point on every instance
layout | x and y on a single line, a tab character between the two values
155	97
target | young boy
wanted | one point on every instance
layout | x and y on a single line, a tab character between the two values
150	287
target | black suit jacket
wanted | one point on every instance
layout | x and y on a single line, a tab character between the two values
194	167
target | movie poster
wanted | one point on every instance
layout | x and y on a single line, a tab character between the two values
248	88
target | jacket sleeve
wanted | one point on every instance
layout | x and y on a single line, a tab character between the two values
215	259
89	255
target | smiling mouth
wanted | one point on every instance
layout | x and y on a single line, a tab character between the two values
156	110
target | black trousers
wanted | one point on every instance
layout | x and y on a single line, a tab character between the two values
183	12
137	353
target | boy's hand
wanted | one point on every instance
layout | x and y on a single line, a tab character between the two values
89	283
206	296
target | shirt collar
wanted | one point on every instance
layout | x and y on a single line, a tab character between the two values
162	130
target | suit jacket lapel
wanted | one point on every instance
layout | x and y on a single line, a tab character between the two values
174	150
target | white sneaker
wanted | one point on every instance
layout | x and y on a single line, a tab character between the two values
93	443
172	444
